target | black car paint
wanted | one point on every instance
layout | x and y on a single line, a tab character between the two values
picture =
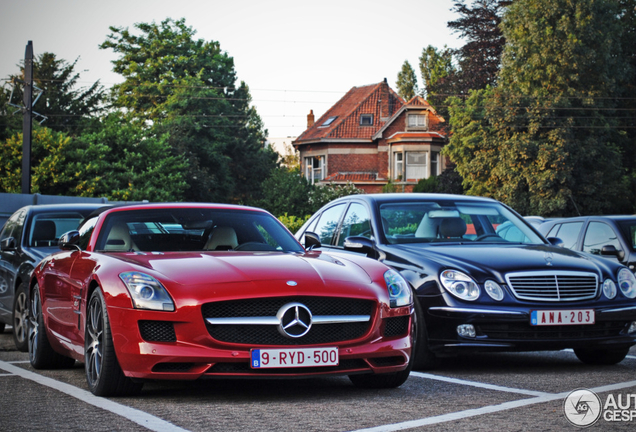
442	312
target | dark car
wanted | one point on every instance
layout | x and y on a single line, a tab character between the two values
29	235
613	237
484	278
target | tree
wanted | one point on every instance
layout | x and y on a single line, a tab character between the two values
187	89
407	82
67	108
545	139
286	191
439	76
479	58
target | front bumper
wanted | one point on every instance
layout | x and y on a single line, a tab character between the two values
193	354
501	329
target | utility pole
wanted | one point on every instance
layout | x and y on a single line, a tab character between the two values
27	127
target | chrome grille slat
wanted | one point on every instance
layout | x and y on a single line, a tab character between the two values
553	285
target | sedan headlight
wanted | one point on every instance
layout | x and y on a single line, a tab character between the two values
147	292
460	285
494	290
399	290
609	288
627	283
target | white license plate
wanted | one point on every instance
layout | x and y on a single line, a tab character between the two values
562	317
299	357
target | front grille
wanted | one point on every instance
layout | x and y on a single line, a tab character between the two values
157	331
521	331
244	368
396	326
255	335
553	286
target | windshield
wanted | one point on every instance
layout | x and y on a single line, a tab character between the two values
453	221
194	229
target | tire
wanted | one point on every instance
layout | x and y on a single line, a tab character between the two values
103	373
21	318
41	354
425	359
601	356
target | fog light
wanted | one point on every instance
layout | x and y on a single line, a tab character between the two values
632	327
468	330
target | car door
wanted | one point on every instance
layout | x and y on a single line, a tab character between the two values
9	262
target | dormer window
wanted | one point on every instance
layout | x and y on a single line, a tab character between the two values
366	119
328	121
417	121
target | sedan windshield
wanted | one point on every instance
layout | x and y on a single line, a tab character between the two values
453	221
194	229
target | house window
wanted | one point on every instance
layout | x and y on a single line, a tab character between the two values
328	121
417	121
435	163
415	165
315	168
366	120
399	166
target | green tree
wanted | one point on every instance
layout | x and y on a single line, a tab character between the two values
545	140
187	88
286	192
124	160
407	82
439	75
67	107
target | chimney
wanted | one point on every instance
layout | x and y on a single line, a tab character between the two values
310	119
384	100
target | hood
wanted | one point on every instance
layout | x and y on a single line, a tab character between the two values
498	259
188	268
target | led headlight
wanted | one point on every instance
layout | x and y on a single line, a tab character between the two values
399	290
460	285
609	288
627	283
493	289
147	292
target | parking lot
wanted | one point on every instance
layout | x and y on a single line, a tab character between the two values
506	391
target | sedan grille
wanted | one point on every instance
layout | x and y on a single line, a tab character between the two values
553	286
255	322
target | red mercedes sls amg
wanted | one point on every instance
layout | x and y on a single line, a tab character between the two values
190	291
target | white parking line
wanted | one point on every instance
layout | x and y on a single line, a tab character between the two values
141	418
478	384
545	397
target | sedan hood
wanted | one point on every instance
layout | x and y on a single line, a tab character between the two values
499	259
229	267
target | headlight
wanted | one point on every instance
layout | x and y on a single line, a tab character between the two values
399	290
627	283
460	285
147	292
494	290
609	288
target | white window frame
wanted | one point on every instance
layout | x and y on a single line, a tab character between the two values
398	164
417	121
420	168
314	174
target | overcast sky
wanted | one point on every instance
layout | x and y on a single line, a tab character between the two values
294	55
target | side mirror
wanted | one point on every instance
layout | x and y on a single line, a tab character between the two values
8	245
312	240
555	241
610	250
359	244
69	241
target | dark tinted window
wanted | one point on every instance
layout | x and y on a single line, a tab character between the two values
629	231
328	223
355	223
599	234
13	226
569	233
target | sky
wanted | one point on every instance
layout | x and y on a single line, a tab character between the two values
294	55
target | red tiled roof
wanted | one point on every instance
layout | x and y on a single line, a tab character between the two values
357	101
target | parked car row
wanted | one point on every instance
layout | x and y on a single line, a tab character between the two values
370	287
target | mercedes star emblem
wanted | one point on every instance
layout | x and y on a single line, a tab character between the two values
294	320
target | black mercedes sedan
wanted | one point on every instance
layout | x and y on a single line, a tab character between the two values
30	234
483	277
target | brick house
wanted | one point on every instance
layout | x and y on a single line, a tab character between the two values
370	136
